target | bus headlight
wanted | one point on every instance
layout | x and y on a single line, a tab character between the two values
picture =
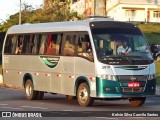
107	77
152	76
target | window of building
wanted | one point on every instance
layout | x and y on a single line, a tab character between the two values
130	13
156	14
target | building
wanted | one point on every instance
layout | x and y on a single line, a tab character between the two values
90	7
121	10
78	6
134	10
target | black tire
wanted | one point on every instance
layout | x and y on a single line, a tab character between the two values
83	95
40	95
137	101
30	93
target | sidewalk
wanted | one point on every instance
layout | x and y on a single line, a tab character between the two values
157	87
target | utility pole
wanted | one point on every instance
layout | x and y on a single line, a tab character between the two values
20	14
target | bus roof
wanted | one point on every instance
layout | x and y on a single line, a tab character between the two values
83	25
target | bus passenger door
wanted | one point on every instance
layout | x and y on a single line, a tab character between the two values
54	44
68	65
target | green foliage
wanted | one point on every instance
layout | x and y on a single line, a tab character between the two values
153	38
151	32
52	11
149	27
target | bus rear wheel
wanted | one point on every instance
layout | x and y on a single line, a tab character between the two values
30	93
137	101
83	95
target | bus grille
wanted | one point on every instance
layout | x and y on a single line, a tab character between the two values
124	79
137	90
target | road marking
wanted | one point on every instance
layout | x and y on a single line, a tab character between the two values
12	108
34	107
67	110
4	104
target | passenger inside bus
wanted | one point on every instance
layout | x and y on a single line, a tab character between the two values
51	49
19	49
86	48
69	45
19	45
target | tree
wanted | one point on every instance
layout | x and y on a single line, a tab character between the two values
52	11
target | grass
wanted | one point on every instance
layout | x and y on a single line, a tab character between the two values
150	27
152	37
151	32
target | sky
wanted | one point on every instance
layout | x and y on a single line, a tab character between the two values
10	7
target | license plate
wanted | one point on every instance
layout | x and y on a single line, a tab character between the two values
133	84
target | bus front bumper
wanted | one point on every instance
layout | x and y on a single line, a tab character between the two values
115	89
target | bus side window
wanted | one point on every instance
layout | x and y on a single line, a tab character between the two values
19	45
53	44
35	48
14	41
28	39
84	47
8	44
43	40
25	44
69	46
58	44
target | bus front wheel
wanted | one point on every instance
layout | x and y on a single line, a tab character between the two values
137	101
83	95
30	93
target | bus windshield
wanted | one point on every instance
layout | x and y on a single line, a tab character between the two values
121	46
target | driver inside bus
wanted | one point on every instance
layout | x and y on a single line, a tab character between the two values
87	49
123	48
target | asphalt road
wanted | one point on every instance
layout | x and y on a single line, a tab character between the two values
57	105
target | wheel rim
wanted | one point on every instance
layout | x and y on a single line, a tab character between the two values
28	90
83	94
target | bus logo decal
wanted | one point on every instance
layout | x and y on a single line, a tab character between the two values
50	61
133	78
